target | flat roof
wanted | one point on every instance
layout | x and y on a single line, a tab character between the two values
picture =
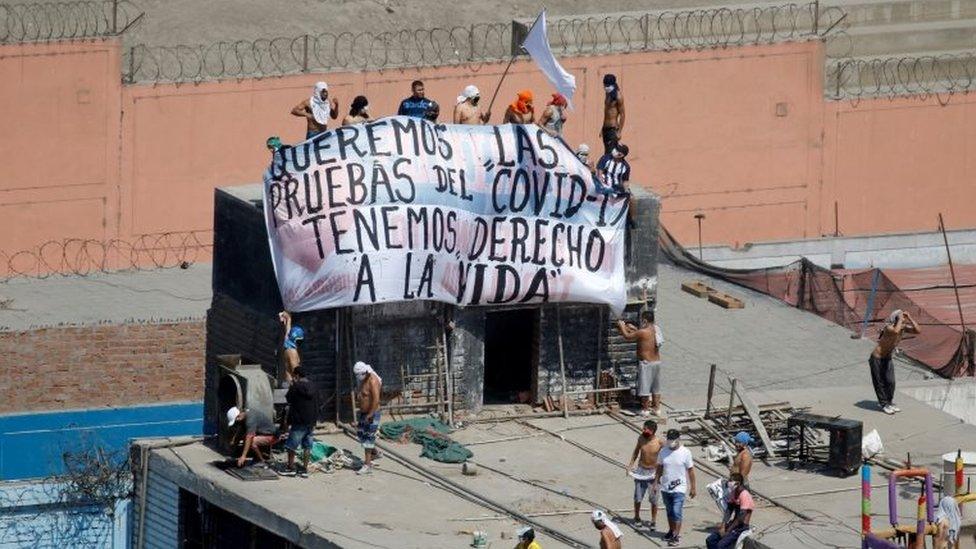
772	350
147	296
557	484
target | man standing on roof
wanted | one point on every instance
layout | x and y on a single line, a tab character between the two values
649	340
302	415
294	336
317	110
466	110
742	460
643	468
370	386
882	370
742	505
676	474
610	533
417	104
613	113
521	110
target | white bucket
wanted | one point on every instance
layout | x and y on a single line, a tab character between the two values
968	479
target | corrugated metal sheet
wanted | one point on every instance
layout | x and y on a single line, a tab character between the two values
162	514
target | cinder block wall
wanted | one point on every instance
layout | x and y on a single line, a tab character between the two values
101	366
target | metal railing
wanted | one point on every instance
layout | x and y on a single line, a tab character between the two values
40	21
487	42
926	75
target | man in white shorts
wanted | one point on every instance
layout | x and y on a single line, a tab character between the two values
642	467
649	341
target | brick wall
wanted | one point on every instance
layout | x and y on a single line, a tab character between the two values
101	366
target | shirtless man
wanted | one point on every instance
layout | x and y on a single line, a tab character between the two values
649	341
370	384
882	370
610	533
466	110
317	110
642	466
294	336
742	460
613	113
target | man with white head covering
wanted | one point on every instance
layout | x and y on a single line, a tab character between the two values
882	370
368	424
610	533
466	110
317	110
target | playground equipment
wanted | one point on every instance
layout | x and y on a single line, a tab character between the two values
925	517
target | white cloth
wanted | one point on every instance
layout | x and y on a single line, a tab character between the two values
600	516
658	336
719	492
537	45
893	317
949	511
675	465
232	415
321	108
361	369
469	92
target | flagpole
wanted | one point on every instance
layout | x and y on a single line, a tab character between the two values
502	79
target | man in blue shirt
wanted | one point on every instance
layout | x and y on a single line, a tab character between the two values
416	105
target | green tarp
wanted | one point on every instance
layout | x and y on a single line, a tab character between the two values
429	433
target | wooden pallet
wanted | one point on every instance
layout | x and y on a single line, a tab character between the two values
726	301
697	288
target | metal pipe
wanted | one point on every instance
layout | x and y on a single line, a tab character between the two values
711	389
562	362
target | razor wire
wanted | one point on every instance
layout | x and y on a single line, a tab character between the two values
940	75
86	256
479	43
33	22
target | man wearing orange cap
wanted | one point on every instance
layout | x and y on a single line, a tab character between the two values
520	111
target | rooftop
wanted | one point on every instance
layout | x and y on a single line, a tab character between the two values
557	477
154	296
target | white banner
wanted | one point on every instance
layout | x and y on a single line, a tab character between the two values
403	209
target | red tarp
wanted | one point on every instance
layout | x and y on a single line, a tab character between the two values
843	296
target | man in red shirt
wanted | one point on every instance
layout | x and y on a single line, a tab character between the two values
741	506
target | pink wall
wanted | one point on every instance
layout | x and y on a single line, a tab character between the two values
60	109
893	164
741	134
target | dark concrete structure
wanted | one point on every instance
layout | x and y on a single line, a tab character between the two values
492	351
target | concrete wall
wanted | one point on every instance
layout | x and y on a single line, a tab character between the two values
101	366
892	251
956	397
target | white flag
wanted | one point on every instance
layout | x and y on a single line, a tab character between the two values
537	45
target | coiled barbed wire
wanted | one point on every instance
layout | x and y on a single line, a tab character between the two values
926	75
485	42
82	257
31	22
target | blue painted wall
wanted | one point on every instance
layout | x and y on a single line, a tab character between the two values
31	444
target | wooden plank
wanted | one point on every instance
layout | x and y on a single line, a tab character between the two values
697	288
753	412
726	301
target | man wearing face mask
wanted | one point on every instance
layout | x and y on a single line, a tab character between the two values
613	113
358	111
370	385
676	474
741	504
466	109
644	469
317	110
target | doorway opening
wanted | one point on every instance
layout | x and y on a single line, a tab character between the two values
511	356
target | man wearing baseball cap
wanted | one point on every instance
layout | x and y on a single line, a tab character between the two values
742	460
676	471
610	533
259	431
